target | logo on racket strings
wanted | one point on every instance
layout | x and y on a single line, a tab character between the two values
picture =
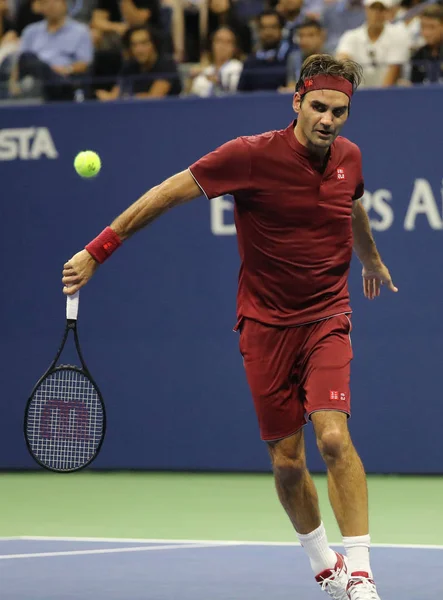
65	421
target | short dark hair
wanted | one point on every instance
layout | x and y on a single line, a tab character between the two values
270	12
154	35
310	23
324	64
435	11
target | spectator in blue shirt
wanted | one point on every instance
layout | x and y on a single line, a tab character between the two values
55	50
266	68
293	15
311	36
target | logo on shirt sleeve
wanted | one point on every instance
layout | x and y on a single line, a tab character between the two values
341	174
335	395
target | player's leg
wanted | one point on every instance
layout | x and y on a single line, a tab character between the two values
346	476
299	498
269	366
326	381
294	485
269	355
348	495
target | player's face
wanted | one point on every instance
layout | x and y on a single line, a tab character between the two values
321	116
432	31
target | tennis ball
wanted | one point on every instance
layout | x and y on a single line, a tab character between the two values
87	163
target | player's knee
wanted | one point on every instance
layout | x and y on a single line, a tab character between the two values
333	443
288	469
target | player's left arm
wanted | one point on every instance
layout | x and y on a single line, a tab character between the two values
375	273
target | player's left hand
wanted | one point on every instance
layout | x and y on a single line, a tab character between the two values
374	276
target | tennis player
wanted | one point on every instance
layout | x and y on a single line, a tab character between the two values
298	214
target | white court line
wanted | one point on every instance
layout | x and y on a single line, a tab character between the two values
210	543
105	551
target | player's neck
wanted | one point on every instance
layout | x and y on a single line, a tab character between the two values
319	153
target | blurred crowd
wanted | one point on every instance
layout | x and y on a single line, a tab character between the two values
73	50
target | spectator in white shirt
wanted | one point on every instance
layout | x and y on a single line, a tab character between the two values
222	75
381	48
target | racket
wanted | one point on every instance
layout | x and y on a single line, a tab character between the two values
65	419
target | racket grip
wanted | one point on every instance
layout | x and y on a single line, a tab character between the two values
72	306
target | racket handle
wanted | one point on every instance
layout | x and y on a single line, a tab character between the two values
72	306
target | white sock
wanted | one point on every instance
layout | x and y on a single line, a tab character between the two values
316	546
357	551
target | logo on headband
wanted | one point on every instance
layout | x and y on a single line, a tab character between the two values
327	82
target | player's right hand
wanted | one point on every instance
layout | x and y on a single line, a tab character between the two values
78	271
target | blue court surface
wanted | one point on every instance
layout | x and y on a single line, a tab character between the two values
94	569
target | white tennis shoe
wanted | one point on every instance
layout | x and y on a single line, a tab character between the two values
361	587
335	581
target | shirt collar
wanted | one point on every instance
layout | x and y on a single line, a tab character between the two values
303	150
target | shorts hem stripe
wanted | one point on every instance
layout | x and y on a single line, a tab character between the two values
341	410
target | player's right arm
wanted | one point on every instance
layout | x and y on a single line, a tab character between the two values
226	170
178	189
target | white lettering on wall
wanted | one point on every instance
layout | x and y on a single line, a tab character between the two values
222	217
422	203
26	143
378	203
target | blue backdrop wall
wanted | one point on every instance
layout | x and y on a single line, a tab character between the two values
156	321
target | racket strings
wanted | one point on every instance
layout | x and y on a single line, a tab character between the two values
65	421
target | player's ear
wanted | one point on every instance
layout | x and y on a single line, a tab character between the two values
296	102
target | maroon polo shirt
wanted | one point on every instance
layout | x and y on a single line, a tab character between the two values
293	223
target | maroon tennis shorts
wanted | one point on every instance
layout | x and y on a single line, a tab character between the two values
295	371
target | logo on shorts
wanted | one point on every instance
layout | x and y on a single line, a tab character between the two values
334	395
340	174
